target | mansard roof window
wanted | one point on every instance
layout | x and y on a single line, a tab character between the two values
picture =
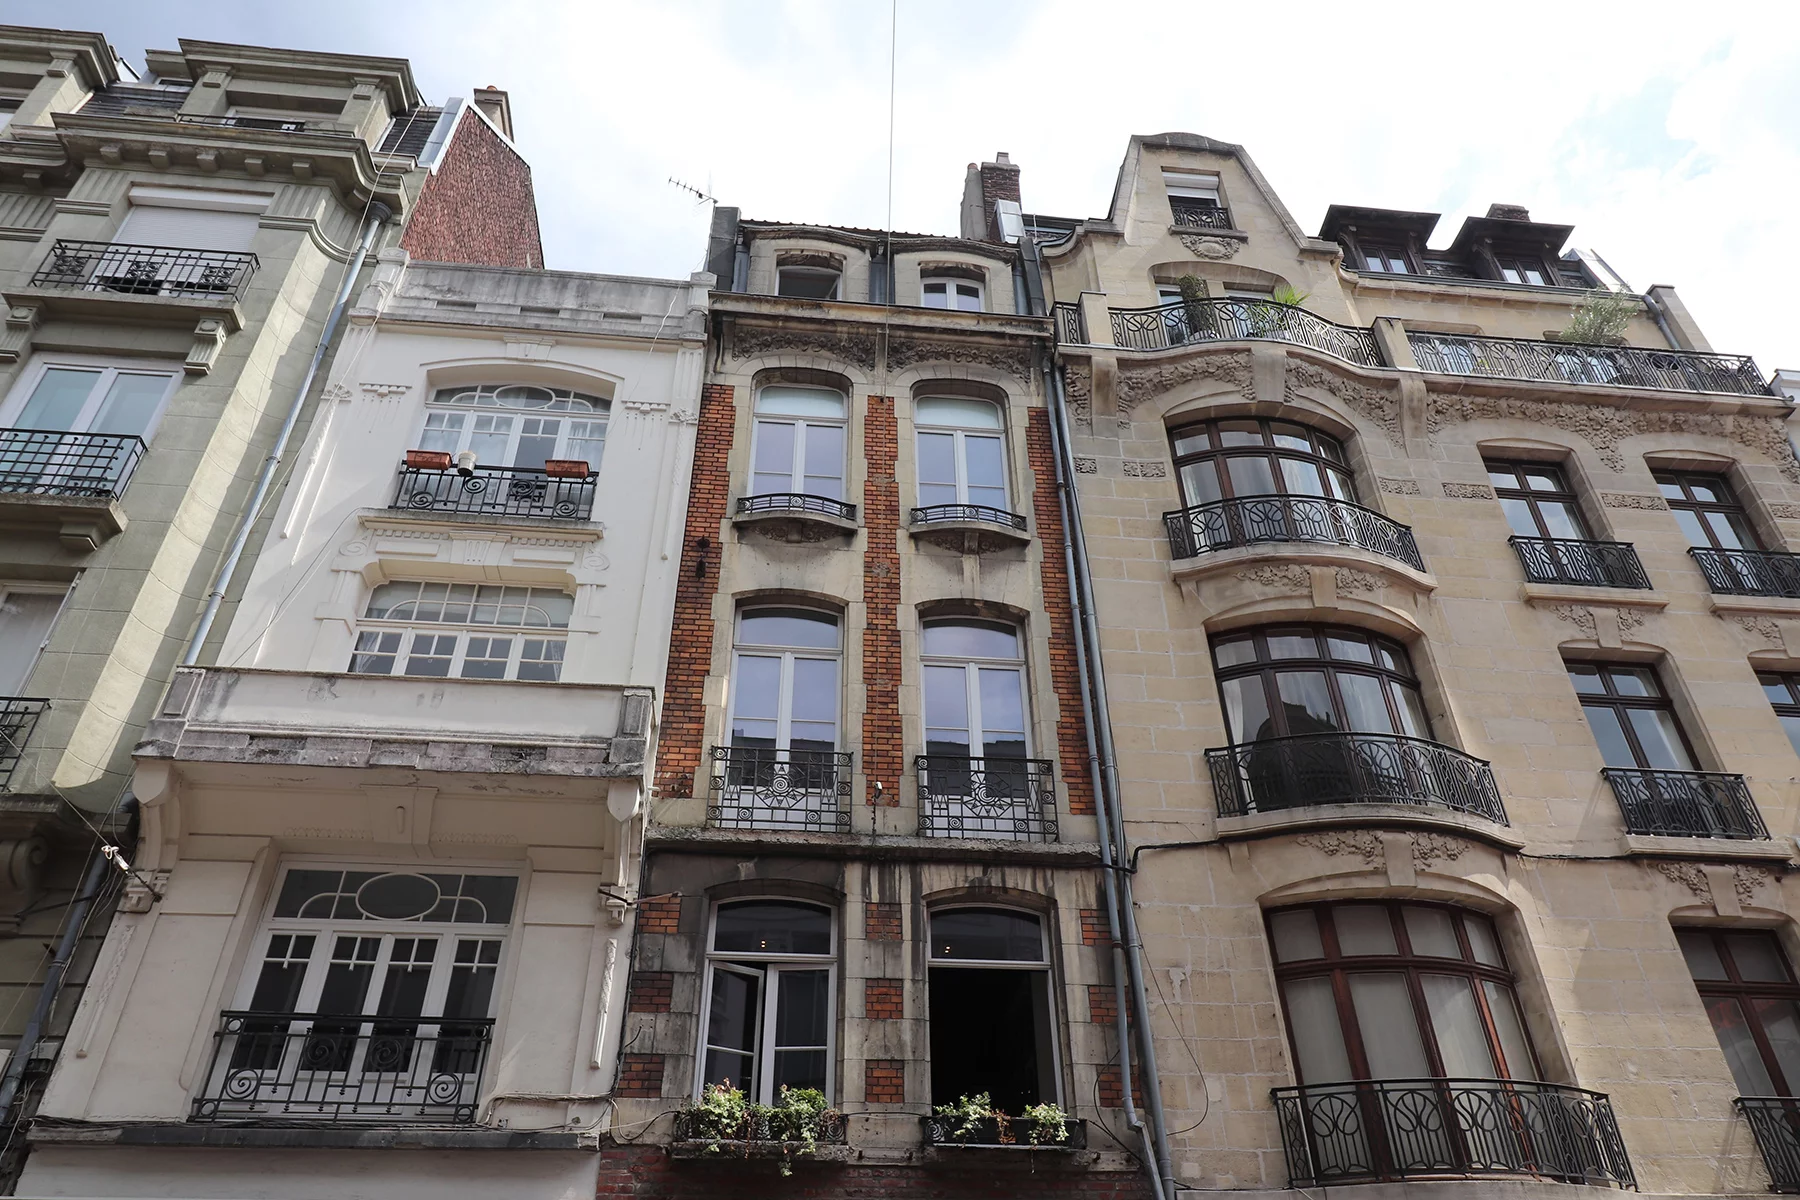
808	283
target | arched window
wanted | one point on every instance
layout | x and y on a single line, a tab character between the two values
798	446
962	459
992	1024
768	1024
463	631
1224	460
517	425
784	680
1295	680
974	675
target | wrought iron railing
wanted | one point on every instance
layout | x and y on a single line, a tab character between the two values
1184	321
1069	329
775	1126
50	462
756	787
145	270
1569	560
501	491
1241	522
1565	362
797	502
326	1068
1775	1123
1392	1129
274	124
932	514
1008	798
1712	804
1351	768
1012	1131
18	717
1200	216
1749	572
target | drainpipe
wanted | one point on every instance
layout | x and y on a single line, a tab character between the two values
1662	322
377	216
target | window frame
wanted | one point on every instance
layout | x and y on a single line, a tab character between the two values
1742	991
810	271
1788	709
19	395
1522	491
1267	666
1677	489
952	286
1387	253
797	475
1334	469
787	656
600	413
411	628
1620	703
1045	966
960	435
1520	263
24	587
972	666
764	1054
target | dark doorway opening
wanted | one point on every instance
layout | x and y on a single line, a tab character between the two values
990	1032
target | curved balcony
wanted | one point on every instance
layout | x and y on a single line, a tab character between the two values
1580	562
795	504
1567	362
1775	1123
1392	1129
1188	321
1241	522
1711	804
957	514
1749	572
1351	768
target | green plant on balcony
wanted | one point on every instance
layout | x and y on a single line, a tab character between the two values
723	1114
1600	319
969	1119
1047	1123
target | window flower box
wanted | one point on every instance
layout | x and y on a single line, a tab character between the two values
428	460
566	468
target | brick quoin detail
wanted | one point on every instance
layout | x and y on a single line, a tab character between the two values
882	999
1065	673
659	914
651	992
680	745
1103	1008
882	751
884	1081
881	922
1093	928
640	1076
1112	1095
478	206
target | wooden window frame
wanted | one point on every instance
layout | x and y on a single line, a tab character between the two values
1684	499
1737	988
1619	702
1218	454
1267	666
1532	496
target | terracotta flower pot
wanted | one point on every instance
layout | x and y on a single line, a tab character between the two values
428	460
566	468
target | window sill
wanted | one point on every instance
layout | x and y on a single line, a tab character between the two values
1236	235
1774	606
103	305
276	1136
1301	554
1644	845
970	537
428	518
1343	816
1581	593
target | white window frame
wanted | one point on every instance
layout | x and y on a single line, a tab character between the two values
800	425
961	434
410	628
971	666
516	416
1043	966
836	274
1192	185
784	700
744	962
959	287
11	588
109	368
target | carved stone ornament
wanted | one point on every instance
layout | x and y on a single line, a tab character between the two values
1632	500
1140	382
756	342
1272	575
1213	248
1689	875
1015	360
1080	394
1630	619
1581	618
1351	582
646	407
1380	405
1758	627
338	392
1138	468
1430	849
1401	487
1746	879
385	391
1786	512
1468	491
1356	843
1084	465
796	532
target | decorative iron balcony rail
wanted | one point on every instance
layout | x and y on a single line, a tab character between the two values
1185	321
51	462
316	1067
1009	798
1775	1123
1564	362
932	514
1250	519
18	717
270	123
145	270
1351	768
1391	1129
774	1127
1749	572
1014	1131
755	787
1712	804
1067	317
1201	216
796	502
500	491
1570	560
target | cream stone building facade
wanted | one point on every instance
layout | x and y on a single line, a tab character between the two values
1454	858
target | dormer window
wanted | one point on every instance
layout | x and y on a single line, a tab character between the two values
961	294
1387	260
1516	269
1194	199
808	283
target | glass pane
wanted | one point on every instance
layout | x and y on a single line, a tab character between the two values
1456	1018
537	442
1232	652
1191	441
1706	490
797	1069
1365	704
1669	488
1691	527
1301	478
947	705
732	1021
1791	724
1349	649
1739	1045
1781	1025
987	934
1483	944
1293	645
1758	958
772	927
408	974
1431	933
1293	437
937	468
1519	518
1240	433
1731	530
1514	1045
1615	750
1586	678
1305	702
1251	475
773	468
788	627
824	461
1562	520
130	403
814	705
1200	483
983	462
1775	688
1633	681
1296	936
1413	722
1002	703
800	402
755	700
347	979
1363	929
971	639
1661	741
1319	1053
1390	1032
1247	709
802	1008
1502	477
1542	479
430	654
936	295
57	400
957	413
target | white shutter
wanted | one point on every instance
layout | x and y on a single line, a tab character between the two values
25	620
186	228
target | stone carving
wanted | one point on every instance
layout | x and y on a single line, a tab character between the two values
1352	582
646	407
338	392
1075	386
1581	618
1630	619
1429	849
1401	487
1365	846
1138	468
793	531
1014	360
1380	405
1787	512
1689	875
1086	466
1745	880
1274	576
1138	383
596	562
755	342
385	391
1468	491
1214	248
1632	500
1761	627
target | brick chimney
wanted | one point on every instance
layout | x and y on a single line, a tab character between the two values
1508	212
982	187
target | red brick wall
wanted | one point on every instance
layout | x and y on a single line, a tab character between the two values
882	751
881	922
651	992
680	744
1103	1004
1093	927
640	1076
883	999
884	1081
1112	1091
1065	674
659	914
478	206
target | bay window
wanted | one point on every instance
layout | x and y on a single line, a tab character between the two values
770	972
463	631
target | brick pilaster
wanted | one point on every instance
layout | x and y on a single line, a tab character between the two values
882	751
1065	673
881	922
884	1081
651	992
884	999
640	1076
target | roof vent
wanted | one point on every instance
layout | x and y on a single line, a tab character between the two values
1508	212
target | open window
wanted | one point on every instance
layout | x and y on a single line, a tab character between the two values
992	1020
808	282
769	986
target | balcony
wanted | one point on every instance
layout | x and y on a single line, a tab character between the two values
1190	321
216	275
1194	214
1276	774
66	483
796	504
18	717
331	1070
495	491
269	124
763	788
1614	366
1395	1129
1227	523
1749	572
970	528
1069	331
958	514
763	1133
1708	804
1775	1123
1572	561
1013	799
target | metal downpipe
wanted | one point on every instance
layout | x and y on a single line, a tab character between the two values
215	596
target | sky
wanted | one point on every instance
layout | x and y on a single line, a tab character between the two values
1667	134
